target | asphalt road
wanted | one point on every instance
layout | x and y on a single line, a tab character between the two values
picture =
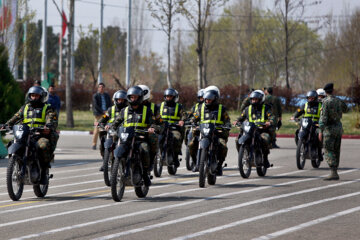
286	204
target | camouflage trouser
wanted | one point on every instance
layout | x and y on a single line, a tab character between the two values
102	137
267	142
177	141
145	154
194	143
47	146
332	144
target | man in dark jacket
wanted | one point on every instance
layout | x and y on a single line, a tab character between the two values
54	99
101	102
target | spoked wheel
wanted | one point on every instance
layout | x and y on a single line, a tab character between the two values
158	165
141	191
316	162
202	173
189	161
107	163
244	161
261	171
300	155
40	190
14	184
117	180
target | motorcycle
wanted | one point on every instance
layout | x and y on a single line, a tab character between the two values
250	151
108	158
127	169
24	166
167	154
307	144
207	153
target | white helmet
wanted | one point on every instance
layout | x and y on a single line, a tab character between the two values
46	95
321	92
146	91
212	87
262	93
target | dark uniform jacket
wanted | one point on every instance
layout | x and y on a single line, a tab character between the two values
172	112
96	101
257	113
36	113
309	110
143	116
110	115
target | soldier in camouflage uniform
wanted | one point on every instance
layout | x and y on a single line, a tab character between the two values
36	113
120	102
153	138
205	113
172	112
246	102
275	104
260	112
140	116
331	129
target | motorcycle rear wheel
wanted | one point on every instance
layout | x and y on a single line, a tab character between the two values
300	155
158	165
14	185
107	163
141	191
315	162
244	162
189	160
203	161
117	181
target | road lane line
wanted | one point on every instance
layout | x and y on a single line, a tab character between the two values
176	205
307	224
261	217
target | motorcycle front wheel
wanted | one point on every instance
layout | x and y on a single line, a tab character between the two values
158	165
300	155
107	163
203	162
244	161
40	190
15	185
117	181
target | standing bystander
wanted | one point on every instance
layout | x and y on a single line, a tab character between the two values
54	100
100	103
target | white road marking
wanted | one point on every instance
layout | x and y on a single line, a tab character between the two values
185	204
259	217
307	224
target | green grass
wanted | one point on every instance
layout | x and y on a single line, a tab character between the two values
84	121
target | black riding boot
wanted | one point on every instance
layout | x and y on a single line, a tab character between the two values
219	169
146	178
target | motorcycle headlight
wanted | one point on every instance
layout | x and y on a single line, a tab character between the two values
305	124
124	136
19	134
206	131
247	128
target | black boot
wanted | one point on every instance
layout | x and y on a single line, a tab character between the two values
146	178
176	161
266	161
44	180
101	169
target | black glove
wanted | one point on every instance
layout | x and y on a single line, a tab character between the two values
279	124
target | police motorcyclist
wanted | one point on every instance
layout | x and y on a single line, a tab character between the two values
36	113
321	94
311	109
153	138
120	102
211	107
172	112
140	116
259	112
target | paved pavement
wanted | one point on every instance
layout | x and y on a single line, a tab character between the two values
286	204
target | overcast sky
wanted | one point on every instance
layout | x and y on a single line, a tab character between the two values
115	13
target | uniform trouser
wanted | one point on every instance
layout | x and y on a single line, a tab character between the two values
267	142
177	141
332	144
145	155
102	137
96	130
47	146
154	145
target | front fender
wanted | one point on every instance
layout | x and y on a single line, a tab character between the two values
244	138
108	142
204	143
120	151
14	147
